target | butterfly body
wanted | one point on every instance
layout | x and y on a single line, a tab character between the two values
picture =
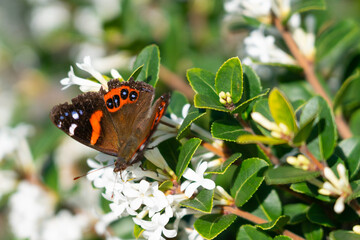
118	122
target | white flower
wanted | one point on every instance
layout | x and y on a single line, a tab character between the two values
85	84
193	234
155	228
337	186
161	202
262	48
259	9
304	40
196	179
184	113
64	226
281	8
29	206
8	182
140	194
277	131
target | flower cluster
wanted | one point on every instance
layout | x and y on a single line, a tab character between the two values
277	130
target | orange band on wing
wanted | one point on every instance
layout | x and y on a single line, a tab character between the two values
95	124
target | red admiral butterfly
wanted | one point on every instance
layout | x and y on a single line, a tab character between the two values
118	122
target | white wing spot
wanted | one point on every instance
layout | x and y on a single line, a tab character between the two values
75	115
72	129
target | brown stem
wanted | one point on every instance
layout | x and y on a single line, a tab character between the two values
252	218
310	75
304	150
175	82
217	151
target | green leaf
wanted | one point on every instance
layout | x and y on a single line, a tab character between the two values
192	115
354	123
281	110
227	130
302	6
177	103
225	165
202	81
137	231
282	237
50	175
166	185
287	174
309	190
149	58
170	150
251	83
248	180
262	107
209	102
203	201
229	78
265	204
244	105
296	212
317	215
304	132
323	137
343	235
355	185
136	73
348	92
312	231
186	153
248	138
275	225
248	232
335	43
349	151
211	225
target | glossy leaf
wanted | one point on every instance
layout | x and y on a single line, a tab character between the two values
348	93
186	153
302	6
192	116
317	215
166	185
287	174
312	231
349	151
136	73
248	180
170	150
211	225
229	78
243	105
225	165
304	132
249	138
281	110
203	201
343	234
296	212
265	204
149	58
202	81
323	137
275	225
209	102
227	130
249	232
309	190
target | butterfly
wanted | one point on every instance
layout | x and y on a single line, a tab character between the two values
118	122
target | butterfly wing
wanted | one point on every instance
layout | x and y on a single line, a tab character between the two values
86	120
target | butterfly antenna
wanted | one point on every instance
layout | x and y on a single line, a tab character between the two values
92	171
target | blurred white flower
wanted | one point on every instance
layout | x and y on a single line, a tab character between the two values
259	9
139	193
262	48
155	228
8	181
192	234
29	206
196	179
107	9
43	20
304	40
337	186
88	22
64	226
281	8
7	103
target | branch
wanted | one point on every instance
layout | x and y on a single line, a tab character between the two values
252	218
175	82
310	75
